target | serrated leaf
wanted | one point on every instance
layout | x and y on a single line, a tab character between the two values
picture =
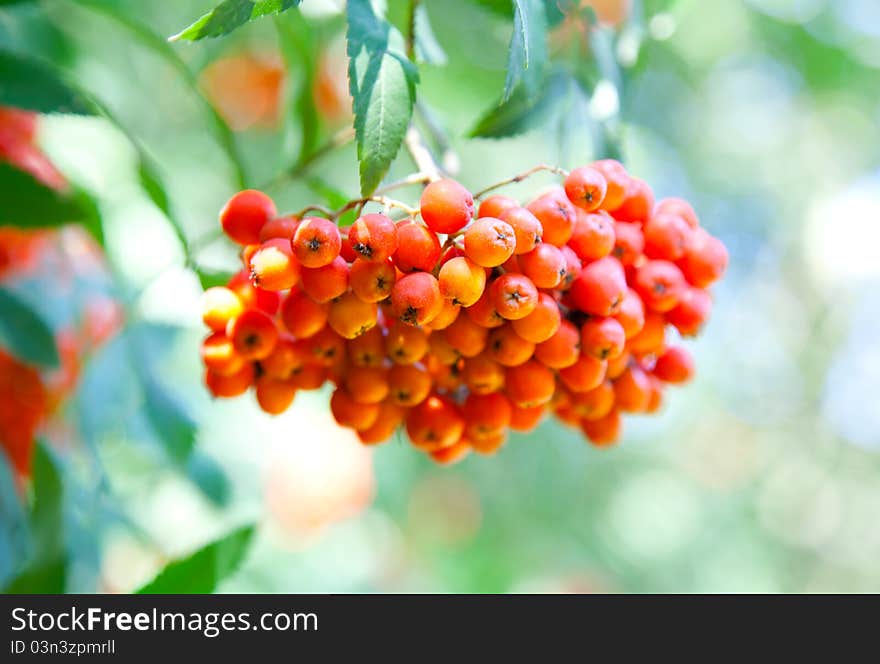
230	15
25	334
203	571
528	48
428	49
26	202
37	86
521	113
382	82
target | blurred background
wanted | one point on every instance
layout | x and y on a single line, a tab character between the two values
761	475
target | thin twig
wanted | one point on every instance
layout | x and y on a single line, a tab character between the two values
409	180
340	138
522	176
420	154
448	157
411	30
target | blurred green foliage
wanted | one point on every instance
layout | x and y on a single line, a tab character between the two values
762	475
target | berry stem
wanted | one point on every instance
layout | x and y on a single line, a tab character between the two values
522	176
415	178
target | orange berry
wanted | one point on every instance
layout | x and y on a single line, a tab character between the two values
544	265
447	316
617	365
286	357
595	403
367	350
572	268
372	281
600	287
367	384
251	296
219	355
446	206
373	237
542	323
486	415
691	312
253	334
466	336
219	306
245	214
350	316
638	202
556	214
586	187
326	347
302	316
232	385
602	338
562	349
514	296
529	384
586	374
631	314
442	350
526	228
274	396
417	247
675	365
705	260
495	206
592	236
279	227
447	456
462	281
434	424
309	377
409	384
660	284
316	242
508	348
652	336
632	389
405	344
525	419
350	413
273	266
678	207
482	374
604	431
615	179
323	284
629	242
416	299
489	444
389	418
667	236
489	242
483	312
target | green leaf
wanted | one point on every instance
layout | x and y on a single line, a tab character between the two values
153	187
230	15
172	423
24	333
382	81
209	278
428	49
13	526
46	569
203	571
528	48
520	113
37	86
209	477
26	202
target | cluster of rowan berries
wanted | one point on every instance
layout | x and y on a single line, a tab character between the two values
461	326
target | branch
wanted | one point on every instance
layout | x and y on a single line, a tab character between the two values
420	154
522	176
